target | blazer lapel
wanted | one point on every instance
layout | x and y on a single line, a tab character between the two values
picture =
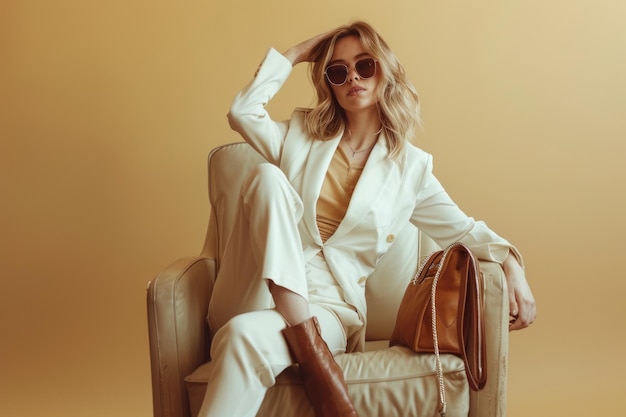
374	177
317	164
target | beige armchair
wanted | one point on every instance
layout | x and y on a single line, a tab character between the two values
382	381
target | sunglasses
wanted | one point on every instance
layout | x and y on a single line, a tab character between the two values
337	74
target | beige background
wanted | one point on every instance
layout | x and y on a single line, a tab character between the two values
108	110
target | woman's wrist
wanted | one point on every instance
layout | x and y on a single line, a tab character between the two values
510	263
293	55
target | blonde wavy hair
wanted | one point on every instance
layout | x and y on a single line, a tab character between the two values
398	101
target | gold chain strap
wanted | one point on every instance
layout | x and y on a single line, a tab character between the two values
433	292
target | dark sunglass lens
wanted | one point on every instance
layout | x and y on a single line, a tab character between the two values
337	74
366	68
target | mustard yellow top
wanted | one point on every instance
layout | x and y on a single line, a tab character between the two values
337	189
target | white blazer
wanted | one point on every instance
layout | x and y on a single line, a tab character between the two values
389	195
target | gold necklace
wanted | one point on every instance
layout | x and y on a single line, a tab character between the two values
362	150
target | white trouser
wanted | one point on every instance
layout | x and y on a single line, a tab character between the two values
249	351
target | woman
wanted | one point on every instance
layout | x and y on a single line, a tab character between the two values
341	182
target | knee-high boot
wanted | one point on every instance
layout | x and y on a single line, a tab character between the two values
322	377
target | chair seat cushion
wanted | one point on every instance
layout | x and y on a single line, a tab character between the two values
382	381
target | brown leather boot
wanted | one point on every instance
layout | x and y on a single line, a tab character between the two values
321	376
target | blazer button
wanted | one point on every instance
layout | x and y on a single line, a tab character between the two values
362	280
391	238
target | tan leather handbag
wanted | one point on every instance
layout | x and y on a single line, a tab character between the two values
442	311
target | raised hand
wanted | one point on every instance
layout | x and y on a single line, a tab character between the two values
302	51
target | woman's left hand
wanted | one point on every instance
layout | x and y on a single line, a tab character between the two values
522	308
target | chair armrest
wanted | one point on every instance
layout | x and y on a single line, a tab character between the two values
491	401
179	337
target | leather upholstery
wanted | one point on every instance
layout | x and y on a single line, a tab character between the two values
382	381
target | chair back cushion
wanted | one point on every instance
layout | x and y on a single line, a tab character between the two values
228	166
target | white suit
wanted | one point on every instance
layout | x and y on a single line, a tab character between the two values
390	194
